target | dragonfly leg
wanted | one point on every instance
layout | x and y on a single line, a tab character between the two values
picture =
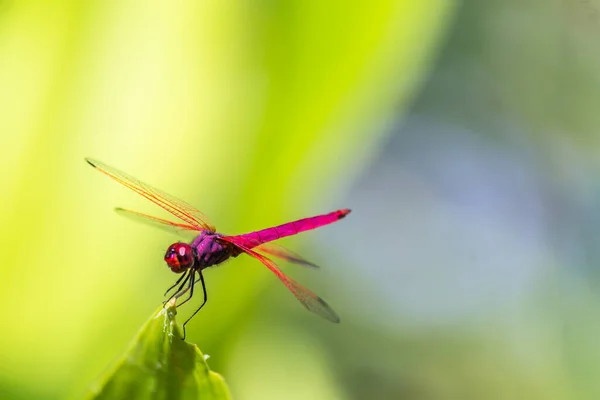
176	283
190	288
181	291
187	276
202	305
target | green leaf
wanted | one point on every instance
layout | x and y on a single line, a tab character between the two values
159	365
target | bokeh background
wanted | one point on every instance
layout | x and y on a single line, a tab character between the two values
464	136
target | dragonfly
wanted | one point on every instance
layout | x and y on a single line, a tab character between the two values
208	248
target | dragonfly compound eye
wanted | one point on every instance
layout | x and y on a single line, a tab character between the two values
179	257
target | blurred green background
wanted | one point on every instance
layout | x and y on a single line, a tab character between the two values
464	136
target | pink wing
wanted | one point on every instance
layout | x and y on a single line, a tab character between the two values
310	300
283	253
178	208
183	230
253	239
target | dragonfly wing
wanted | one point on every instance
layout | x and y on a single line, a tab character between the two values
183	230
281	252
310	300
178	208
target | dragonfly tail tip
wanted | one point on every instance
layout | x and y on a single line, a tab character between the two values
343	213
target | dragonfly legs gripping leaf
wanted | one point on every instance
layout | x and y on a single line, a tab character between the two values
190	288
201	305
186	275
171	288
180	291
188	278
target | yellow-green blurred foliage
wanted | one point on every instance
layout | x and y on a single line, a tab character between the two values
255	111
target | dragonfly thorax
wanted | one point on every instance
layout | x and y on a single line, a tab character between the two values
211	250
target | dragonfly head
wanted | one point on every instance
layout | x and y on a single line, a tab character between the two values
179	257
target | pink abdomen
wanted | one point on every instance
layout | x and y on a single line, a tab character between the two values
257	238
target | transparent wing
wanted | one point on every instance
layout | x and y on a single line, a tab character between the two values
183	230
178	208
281	252
310	300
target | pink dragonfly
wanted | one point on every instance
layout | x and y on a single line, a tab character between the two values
208	247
